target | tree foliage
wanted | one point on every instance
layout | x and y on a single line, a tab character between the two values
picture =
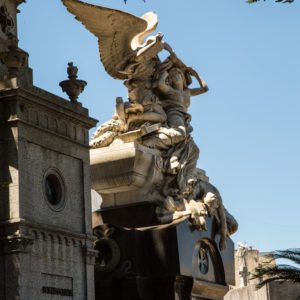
127	0
252	1
282	1
282	272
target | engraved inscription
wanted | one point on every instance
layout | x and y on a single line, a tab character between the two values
57	291
56	285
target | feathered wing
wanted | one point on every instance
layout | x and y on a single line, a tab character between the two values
114	29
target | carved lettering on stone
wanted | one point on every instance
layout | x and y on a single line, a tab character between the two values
54	284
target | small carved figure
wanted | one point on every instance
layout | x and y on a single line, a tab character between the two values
242	254
106	132
201	199
211	197
140	93
177	100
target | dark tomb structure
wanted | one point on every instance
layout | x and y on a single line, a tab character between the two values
170	261
140	258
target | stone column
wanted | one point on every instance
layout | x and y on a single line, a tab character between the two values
183	288
16	257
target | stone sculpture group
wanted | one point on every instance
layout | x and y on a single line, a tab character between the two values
156	111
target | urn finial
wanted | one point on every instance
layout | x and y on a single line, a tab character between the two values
72	86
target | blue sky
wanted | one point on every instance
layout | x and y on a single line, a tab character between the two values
247	126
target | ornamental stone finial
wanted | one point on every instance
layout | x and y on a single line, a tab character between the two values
72	71
72	86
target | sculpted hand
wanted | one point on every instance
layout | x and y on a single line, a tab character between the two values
192	71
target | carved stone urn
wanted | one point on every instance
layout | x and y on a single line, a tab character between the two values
73	86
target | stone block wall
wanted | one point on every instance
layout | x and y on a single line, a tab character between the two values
46	248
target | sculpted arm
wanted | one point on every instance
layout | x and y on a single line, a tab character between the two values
203	86
173	57
168	48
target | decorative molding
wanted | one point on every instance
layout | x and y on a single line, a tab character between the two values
57	125
17	244
12	227
38	99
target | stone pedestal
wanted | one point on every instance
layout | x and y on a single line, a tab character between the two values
126	174
140	259
152	240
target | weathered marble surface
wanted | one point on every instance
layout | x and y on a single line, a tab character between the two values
146	151
128	173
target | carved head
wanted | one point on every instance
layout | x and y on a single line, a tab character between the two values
177	78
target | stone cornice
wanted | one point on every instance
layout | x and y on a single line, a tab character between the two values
17	120
17	223
60	106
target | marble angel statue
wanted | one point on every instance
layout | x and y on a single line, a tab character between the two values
126	55
156	111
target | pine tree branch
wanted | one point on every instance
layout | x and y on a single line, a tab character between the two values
270	272
290	254
281	1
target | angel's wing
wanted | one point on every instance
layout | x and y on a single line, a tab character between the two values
119	33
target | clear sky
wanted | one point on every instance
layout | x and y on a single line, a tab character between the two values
247	126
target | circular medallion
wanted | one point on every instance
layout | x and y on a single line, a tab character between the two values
54	189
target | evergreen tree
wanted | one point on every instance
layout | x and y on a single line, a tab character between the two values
282	1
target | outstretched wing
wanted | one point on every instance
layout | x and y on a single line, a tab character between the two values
115	31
